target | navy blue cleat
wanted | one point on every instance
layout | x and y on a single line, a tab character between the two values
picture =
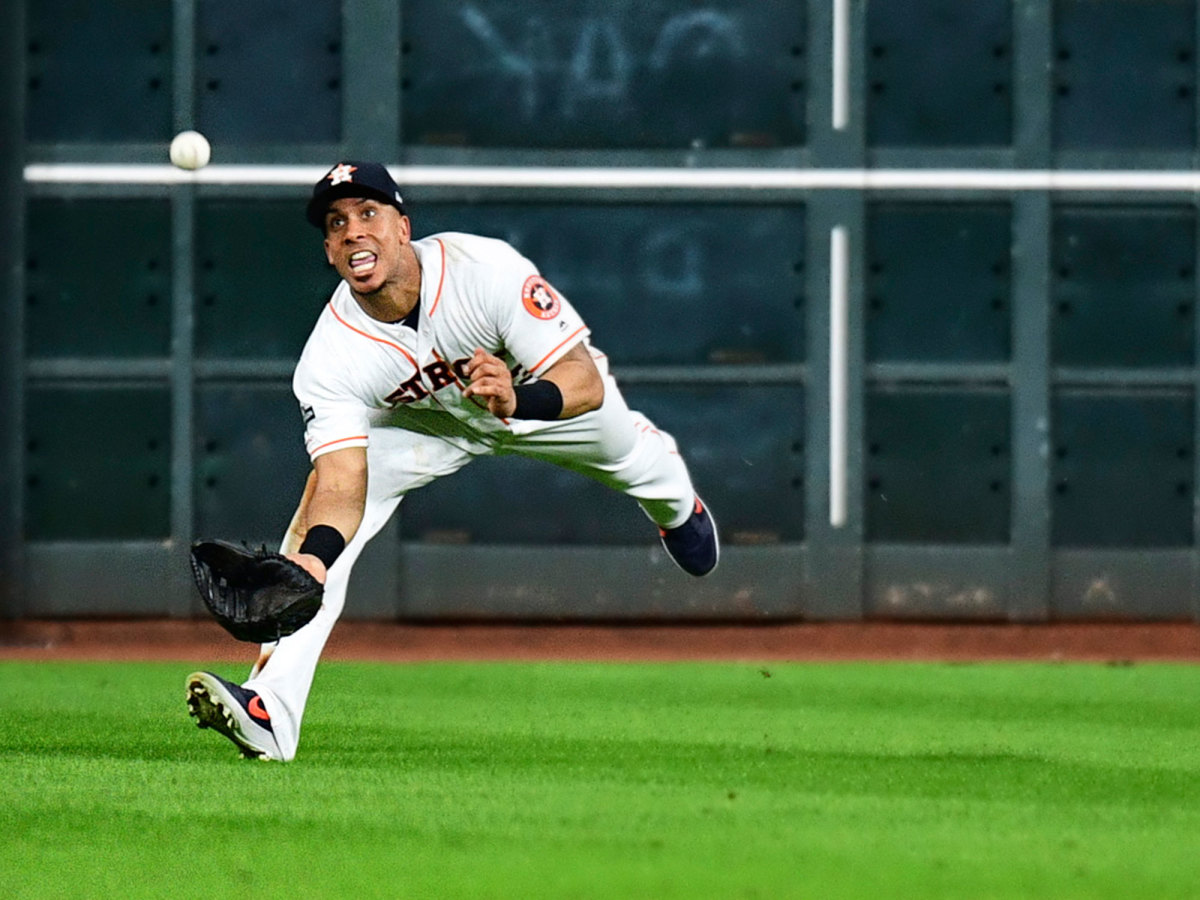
233	711
694	545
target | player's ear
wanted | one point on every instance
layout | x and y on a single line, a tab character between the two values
328	252
405	229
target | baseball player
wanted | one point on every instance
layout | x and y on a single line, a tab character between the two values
431	353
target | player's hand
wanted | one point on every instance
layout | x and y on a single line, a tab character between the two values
310	564
490	379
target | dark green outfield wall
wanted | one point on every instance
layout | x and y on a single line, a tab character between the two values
1020	364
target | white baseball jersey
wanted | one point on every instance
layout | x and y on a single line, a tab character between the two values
357	373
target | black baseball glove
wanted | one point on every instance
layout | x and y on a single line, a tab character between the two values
256	595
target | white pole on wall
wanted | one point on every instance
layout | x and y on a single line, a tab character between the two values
841	64
839	291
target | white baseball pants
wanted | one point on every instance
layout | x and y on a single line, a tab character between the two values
616	446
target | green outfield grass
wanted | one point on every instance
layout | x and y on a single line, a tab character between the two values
613	780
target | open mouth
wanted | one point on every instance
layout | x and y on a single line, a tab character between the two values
362	262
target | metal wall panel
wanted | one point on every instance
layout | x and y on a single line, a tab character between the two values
1124	75
98	278
99	72
1123	286
97	463
938	282
1123	469
301	100
1141	584
938	466
628	74
939	73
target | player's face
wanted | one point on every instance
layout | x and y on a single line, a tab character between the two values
363	240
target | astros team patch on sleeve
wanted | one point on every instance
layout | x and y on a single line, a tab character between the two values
539	298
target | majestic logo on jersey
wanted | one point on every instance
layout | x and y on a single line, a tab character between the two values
539	298
342	174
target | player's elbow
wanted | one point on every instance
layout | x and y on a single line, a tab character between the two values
593	393
579	381
586	394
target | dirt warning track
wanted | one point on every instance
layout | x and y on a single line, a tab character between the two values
187	640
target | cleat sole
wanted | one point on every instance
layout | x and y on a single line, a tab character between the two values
210	712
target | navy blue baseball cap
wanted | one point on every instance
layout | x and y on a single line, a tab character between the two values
352	179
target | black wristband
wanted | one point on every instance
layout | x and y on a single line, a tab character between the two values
538	400
325	543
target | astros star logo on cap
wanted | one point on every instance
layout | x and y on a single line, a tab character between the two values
341	174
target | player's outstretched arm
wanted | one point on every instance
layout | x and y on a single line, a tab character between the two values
334	498
575	376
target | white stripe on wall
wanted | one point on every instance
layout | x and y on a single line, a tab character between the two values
648	178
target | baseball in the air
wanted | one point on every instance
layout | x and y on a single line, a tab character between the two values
190	150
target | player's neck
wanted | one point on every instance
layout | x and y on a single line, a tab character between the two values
388	304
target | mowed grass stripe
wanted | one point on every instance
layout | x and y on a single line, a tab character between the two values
613	780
